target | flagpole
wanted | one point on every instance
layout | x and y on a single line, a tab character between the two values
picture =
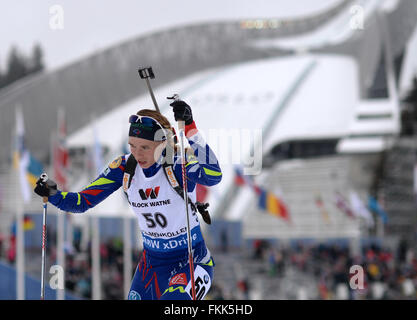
95	248
69	229
69	238
381	217
61	215
19	241
20	254
127	253
60	293
95	245
85	235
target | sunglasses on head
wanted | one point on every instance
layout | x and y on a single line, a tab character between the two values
147	123
145	120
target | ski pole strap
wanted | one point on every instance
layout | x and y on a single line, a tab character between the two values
169	173
129	172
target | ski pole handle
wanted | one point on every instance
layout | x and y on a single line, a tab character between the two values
44	178
181	123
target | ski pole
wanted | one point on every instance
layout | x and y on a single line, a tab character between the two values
147	73
44	178
181	126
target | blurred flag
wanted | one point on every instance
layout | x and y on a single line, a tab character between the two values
323	211
29	168
374	206
360	209
239	180
267	200
28	225
34	170
343	204
60	152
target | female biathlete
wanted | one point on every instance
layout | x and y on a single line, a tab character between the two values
151	177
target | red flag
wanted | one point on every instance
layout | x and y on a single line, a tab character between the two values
343	205
239	180
267	200
60	153
272	204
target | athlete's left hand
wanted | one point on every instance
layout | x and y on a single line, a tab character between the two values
45	189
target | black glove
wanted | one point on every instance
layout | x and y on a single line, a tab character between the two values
182	111
45	189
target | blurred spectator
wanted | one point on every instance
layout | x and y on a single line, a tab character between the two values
216	292
11	252
326	265
402	250
259	247
324	293
384	277
243	286
77	238
276	262
83	287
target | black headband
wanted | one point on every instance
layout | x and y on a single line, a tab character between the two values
146	128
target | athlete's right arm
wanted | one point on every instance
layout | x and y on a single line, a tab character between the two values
105	184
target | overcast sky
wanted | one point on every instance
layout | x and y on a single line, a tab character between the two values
90	25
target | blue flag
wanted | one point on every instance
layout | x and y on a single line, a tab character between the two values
375	207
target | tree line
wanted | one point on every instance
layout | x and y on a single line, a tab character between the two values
20	65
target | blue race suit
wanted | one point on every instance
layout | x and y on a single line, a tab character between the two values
163	271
